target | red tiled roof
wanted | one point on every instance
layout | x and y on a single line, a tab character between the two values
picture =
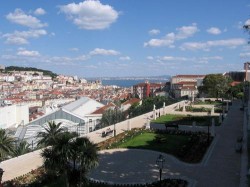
131	101
141	84
234	83
104	108
187	82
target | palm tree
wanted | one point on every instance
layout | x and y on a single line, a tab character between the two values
68	149
52	131
6	144
57	157
21	149
86	155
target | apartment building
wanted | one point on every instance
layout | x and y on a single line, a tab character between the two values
144	90
186	85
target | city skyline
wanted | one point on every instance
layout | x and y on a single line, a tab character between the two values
125	38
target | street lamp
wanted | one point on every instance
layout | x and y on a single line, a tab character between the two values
115	121
160	163
1	175
209	115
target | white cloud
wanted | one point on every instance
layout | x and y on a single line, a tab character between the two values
214	30
16	40
21	37
150	58
39	11
175	59
169	39
231	43
98	51
19	17
90	14
211	58
74	49
245	55
158	43
30	57
186	31
26	53
154	32
125	58
247	22
205	60
171	58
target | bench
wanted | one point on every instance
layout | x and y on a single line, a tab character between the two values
176	126
106	133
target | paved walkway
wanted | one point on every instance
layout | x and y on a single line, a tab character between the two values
220	167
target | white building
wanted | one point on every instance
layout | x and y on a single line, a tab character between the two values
14	115
77	116
186	85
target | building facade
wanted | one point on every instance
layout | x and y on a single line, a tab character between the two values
186	85
144	90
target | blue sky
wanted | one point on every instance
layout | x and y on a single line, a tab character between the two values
125	37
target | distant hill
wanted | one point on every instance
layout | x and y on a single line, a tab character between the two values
17	68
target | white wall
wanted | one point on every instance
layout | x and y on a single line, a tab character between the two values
136	122
13	115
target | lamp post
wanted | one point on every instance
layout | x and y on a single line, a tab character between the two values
160	163
1	175
209	114
115	121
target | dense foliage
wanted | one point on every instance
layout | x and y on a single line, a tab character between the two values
215	85
6	145
111	116
68	156
147	105
17	68
237	91
9	147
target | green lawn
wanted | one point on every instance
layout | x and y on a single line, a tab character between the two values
186	119
168	118
166	143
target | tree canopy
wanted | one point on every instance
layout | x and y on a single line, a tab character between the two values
17	68
215	85
6	145
50	133
58	158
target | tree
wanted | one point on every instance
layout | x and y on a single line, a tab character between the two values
112	116
57	157
22	148
147	105
6	145
83	152
215	85
237	91
52	131
68	149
